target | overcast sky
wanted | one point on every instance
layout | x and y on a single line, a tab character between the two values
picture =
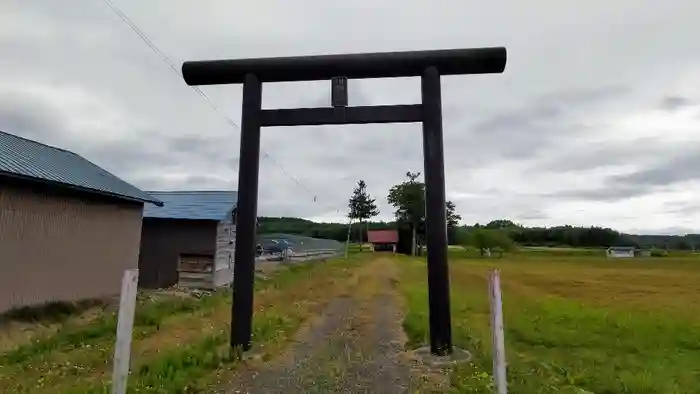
596	120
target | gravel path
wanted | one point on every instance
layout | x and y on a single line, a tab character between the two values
354	346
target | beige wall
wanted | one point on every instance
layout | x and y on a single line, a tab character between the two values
63	246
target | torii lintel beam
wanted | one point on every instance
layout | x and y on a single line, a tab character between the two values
352	66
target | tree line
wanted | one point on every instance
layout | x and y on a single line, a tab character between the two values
408	201
586	237
566	236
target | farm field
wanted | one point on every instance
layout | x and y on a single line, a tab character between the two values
572	322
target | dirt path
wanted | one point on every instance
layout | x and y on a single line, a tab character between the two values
354	346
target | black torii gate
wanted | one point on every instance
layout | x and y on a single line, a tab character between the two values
429	65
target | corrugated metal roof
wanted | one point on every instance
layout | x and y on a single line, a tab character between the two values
194	205
27	159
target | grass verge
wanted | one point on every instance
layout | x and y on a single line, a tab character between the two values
186	353
572	325
149	315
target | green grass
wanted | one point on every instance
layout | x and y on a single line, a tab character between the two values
354	247
50	312
180	344
573	323
185	369
149	315
188	370
77	350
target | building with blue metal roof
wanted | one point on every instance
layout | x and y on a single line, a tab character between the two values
33	161
192	205
68	228
189	241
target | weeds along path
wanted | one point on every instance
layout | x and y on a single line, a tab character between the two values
82	346
180	349
15	333
354	345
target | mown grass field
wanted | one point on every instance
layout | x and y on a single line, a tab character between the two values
574	321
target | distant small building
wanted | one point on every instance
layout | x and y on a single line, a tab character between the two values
383	240
189	241
620	251
642	253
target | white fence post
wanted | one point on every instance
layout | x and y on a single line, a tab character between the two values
499	351
347	241
125	323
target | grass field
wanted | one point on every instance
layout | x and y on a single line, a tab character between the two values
573	322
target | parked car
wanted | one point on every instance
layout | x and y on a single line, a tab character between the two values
276	246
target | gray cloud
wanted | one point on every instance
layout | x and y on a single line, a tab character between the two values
24	114
580	97
32	117
146	126
191	182
538	126
596	155
681	167
658	168
671	103
608	193
682	208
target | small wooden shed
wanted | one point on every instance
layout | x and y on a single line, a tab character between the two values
189	241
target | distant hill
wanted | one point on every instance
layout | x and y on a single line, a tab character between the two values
336	231
533	236
681	242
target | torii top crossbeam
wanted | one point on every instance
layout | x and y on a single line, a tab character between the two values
352	66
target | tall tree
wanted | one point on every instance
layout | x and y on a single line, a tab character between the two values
408	198
453	217
501	223
483	238
362	206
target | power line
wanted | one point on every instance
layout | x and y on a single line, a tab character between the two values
172	66
165	58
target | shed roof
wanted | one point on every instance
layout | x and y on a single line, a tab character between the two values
192	205
22	158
